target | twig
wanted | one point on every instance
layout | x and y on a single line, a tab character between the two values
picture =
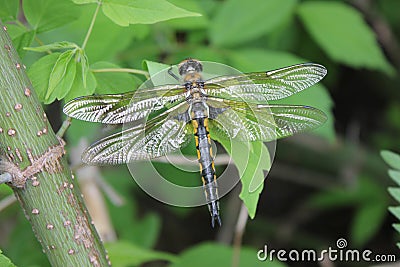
326	262
231	212
64	127
115	198
91	25
239	231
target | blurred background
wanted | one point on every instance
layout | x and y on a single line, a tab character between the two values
323	185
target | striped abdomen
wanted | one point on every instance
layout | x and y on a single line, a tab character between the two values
207	169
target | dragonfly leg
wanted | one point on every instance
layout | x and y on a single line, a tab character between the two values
173	74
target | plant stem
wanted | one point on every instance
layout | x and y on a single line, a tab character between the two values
239	230
134	71
65	125
41	177
91	25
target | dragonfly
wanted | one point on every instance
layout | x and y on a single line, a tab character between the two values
233	107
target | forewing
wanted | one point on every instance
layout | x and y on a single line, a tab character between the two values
254	122
122	108
161	135
263	86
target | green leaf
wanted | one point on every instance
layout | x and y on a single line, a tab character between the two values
212	254
251	159
8	10
396	226
190	23
203	52
84	62
146	230
240	21
113	82
78	88
21	37
45	15
81	2
343	34
4	261
391	158
39	74
255	172
395	193
58	72
65	84
5	190
395	175
154	67
125	12
53	46
367	221
367	190
395	211
250	60
335	197
123	253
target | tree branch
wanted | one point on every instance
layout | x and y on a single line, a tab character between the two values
40	176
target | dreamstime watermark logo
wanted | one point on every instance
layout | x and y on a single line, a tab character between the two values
339	253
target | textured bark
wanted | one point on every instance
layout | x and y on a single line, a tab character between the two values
42	180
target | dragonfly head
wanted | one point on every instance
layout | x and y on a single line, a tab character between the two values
189	66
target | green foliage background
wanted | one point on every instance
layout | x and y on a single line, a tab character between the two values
323	186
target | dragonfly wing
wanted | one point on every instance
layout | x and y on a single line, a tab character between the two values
254	122
263	86
121	108
161	135
291	119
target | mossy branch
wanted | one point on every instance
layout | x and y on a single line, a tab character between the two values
32	160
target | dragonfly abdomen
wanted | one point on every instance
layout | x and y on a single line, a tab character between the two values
207	169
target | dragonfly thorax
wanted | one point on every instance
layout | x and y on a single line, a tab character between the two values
192	77
195	91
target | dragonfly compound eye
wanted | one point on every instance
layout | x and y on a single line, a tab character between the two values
190	65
